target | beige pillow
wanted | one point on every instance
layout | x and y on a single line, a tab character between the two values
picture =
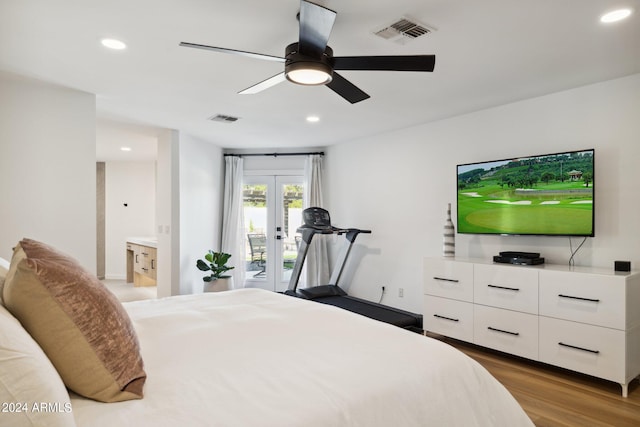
80	325
4	269
28	381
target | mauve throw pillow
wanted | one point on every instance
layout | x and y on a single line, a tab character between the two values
81	326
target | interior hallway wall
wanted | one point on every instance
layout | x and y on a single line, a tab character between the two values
47	167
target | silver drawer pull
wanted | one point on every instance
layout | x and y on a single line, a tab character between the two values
445	280
446	318
579	298
579	348
503	331
503	287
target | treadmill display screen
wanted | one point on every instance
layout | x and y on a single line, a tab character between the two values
316	218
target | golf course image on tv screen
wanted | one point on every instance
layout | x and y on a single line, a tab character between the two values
551	194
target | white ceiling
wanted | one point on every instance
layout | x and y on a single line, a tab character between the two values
488	53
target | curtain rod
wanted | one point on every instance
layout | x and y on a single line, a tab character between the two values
321	153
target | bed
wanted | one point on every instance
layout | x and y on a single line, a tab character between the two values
251	357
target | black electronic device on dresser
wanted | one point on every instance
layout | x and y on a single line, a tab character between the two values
519	258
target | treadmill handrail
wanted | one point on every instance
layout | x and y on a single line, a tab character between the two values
307	236
310	230
350	235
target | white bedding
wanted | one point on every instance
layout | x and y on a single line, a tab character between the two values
255	358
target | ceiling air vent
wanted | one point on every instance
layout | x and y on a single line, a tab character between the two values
223	118
403	31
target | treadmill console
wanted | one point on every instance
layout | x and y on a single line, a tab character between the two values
317	218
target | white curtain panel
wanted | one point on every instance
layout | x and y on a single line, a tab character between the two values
233	218
317	263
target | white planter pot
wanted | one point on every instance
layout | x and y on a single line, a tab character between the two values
218	285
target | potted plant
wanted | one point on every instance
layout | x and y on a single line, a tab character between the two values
216	263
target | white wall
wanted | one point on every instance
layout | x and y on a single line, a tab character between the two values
189	192
47	167
201	190
133	184
189	186
168	213
269	165
403	181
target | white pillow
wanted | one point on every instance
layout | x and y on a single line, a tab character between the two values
4	269
31	391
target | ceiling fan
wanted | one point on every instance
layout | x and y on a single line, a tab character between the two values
311	62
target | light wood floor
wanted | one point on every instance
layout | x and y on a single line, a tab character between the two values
557	397
127	292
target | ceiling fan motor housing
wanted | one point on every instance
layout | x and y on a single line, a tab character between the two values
320	70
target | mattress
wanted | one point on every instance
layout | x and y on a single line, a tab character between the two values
250	357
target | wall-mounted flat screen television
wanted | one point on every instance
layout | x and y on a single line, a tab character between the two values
550	194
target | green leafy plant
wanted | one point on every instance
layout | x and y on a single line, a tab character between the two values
216	264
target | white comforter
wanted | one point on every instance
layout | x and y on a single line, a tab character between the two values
254	358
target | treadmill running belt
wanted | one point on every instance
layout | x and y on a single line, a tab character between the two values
372	310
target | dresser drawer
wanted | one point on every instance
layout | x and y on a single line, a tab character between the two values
505	330
513	288
448	317
584	348
448	279
587	298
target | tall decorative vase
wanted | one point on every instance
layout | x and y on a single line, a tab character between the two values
449	236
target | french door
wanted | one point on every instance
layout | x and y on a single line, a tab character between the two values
272	213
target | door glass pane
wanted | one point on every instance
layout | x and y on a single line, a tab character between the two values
272	214
255	221
291	217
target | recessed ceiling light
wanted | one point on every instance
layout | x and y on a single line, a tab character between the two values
125	148
313	119
113	44
615	15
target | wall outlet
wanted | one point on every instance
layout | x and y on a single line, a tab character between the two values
401	292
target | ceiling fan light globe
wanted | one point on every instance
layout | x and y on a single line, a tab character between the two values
308	73
309	76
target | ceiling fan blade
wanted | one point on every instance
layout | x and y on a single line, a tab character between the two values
346	89
386	63
233	51
265	84
316	23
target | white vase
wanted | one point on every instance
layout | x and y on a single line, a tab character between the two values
218	285
449	236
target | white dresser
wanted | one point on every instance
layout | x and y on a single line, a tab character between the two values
578	318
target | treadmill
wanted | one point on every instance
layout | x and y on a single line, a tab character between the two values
317	221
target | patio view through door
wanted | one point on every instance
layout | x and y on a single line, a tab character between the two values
272	213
